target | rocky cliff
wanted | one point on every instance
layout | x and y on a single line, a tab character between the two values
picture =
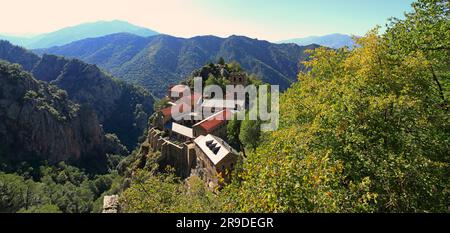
38	121
121	108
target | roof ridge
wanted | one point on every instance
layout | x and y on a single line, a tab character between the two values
210	117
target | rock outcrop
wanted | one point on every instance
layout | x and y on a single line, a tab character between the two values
111	204
39	122
121	108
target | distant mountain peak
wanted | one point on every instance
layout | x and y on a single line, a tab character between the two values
335	40
78	32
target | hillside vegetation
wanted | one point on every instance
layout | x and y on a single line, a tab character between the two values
39	123
362	130
121	108
366	130
159	61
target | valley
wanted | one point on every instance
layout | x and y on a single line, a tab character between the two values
122	109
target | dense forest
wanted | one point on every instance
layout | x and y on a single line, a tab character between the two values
55	189
365	129
159	61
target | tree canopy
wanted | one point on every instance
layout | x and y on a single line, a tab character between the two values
363	130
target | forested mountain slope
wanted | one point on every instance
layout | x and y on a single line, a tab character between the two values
159	61
39	123
122	108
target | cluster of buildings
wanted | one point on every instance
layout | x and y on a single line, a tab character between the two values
194	143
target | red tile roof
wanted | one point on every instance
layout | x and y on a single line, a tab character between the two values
168	111
216	120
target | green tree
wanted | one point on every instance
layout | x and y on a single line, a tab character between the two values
211	80
250	133
234	66
164	193
221	61
363	130
68	188
12	192
17	193
47	208
161	103
233	131
425	30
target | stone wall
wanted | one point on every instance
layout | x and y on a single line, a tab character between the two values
111	204
187	159
205	169
179	156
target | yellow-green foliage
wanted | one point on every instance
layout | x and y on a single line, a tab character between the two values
363	130
164	193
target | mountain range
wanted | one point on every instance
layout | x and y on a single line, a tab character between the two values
122	109
334	41
156	62
78	32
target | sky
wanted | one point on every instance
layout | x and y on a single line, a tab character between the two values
272	20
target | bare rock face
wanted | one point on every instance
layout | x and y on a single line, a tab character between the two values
111	204
38	121
121	108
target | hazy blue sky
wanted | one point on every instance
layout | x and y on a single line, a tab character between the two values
264	19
